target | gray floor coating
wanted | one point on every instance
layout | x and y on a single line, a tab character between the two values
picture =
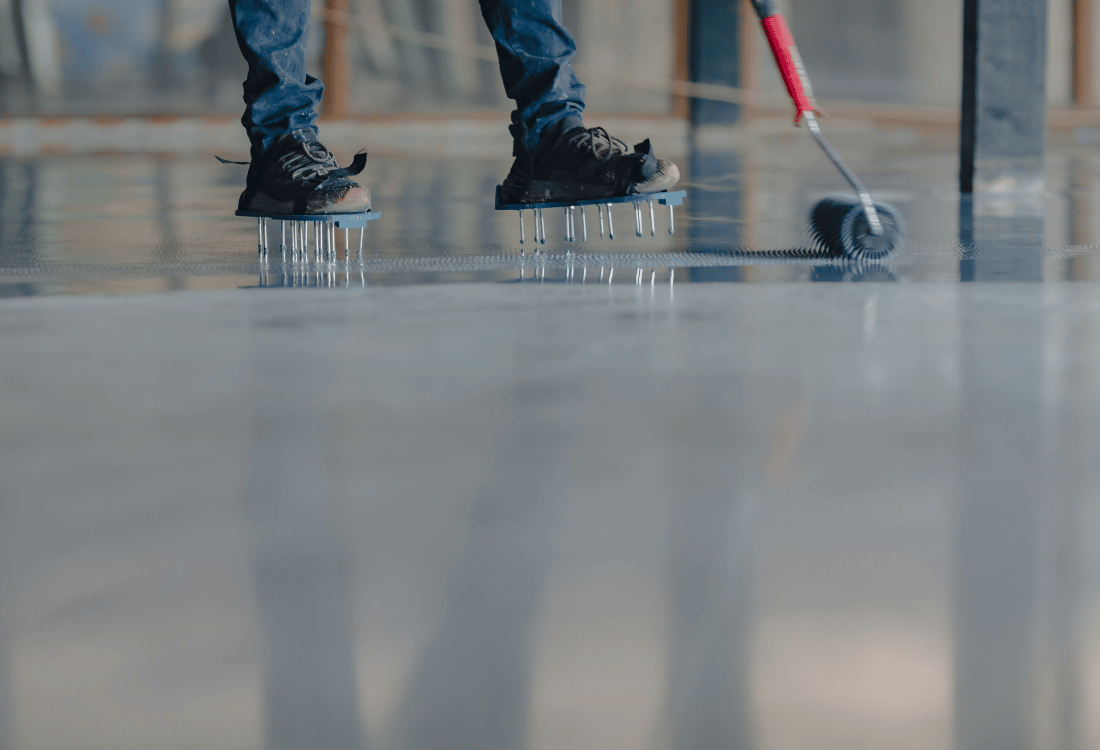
543	515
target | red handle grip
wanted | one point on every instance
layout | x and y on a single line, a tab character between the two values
790	64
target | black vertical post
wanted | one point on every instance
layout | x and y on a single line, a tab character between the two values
1004	107
1003	138
714	56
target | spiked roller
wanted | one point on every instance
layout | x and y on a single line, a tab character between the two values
881	228
295	231
602	205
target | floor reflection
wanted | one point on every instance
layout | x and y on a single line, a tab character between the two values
310	696
88	223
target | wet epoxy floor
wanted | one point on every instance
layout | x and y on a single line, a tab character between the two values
543	515
93	224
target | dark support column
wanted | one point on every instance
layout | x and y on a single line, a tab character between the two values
1003	139
1004	107
714	56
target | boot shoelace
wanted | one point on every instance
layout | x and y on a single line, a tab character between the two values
313	160
599	142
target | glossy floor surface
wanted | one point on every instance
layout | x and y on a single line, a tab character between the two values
494	515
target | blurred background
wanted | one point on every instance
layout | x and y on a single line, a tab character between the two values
179	58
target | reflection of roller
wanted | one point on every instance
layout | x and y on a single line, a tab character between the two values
854	228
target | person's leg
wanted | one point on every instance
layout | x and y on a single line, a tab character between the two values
290	171
557	159
279	96
535	52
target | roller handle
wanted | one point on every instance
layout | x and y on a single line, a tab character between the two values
787	58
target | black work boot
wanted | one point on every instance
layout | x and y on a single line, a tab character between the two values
582	163
298	175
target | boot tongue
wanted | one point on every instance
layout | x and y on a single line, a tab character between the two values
647	162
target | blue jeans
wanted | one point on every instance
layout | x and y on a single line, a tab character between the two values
534	49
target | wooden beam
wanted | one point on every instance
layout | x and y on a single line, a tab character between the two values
334	64
681	105
1084	73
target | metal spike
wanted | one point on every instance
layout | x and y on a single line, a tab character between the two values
638	277
584	274
584	226
638	219
671	220
362	230
260	238
542	226
653	277
572	226
568	236
347	246
599	209
610	274
601	274
521	238
652	221
282	244
610	224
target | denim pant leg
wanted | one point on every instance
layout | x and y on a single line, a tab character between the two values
535	52
279	96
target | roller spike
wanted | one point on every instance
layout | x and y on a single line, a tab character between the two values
671	219
652	221
610	224
599	209
584	226
521	237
